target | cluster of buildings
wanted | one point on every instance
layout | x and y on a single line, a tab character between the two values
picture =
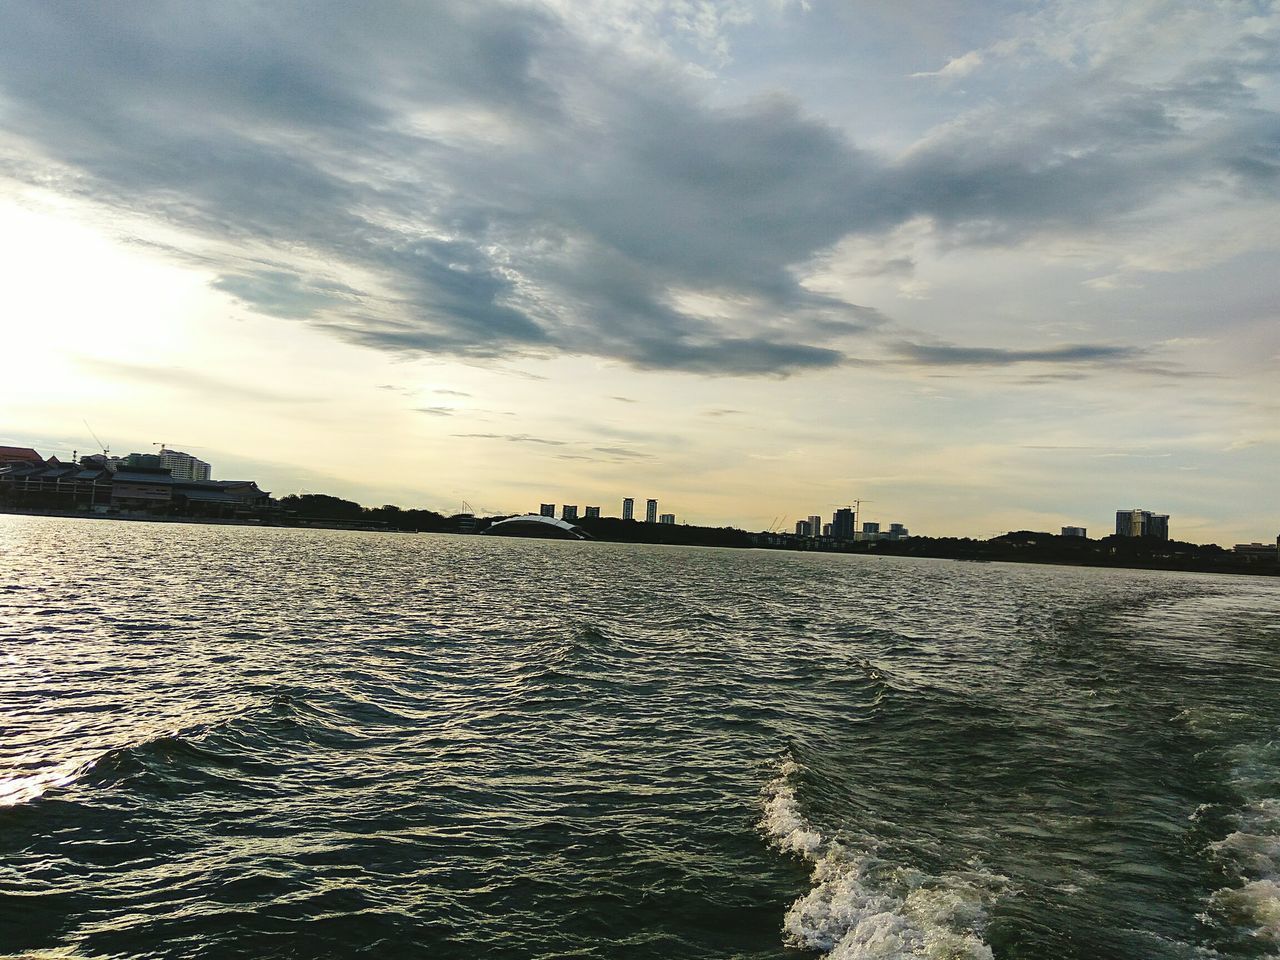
844	527
170	483
569	511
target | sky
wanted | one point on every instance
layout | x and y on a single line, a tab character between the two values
984	266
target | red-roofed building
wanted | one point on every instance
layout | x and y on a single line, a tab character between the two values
19	455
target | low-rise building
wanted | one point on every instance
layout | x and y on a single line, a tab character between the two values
667	518
1074	532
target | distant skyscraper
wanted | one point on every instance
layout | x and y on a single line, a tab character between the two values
804	528
569	511
593	513
547	510
651	511
1142	523
667	518
628	508
870	528
815	526
826	529
1074	532
898	532
842	524
183	466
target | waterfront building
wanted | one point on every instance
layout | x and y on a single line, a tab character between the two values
815	525
842	524
667	518
183	466
898	531
870	529
593	513
547	510
1074	532
569	511
826	530
804	528
19	455
628	508
651	511
1258	551
1142	523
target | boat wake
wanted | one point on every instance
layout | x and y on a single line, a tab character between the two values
851	915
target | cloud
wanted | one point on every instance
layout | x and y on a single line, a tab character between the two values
492	180
943	355
514	438
956	67
186	379
451	393
435	411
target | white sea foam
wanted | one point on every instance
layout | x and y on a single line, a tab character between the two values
1254	851
847	915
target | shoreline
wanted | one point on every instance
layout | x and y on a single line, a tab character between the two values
926	549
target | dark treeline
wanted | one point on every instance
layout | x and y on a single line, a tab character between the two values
327	509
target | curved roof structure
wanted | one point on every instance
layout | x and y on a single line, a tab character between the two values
536	525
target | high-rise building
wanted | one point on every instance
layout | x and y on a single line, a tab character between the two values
548	510
870	527
898	532
1142	523
842	524
804	528
1074	532
569	511
667	518
628	508
593	513
651	511
826	529
815	525
183	466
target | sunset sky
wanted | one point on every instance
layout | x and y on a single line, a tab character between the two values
986	265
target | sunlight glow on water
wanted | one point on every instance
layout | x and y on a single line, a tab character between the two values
221	741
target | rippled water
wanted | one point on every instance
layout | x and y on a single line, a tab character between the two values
220	742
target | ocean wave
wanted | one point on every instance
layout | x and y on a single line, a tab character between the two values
167	748
851	916
1252	851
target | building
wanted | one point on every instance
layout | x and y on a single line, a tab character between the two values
898	531
1142	523
804	528
20	455
815	525
870	530
593	513
183	466
547	510
1074	532
569	511
628	508
651	511
536	526
842	524
826	530
667	518
1258	551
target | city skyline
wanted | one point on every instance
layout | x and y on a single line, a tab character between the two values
986	265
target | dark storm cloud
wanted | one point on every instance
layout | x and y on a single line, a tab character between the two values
475	179
950	356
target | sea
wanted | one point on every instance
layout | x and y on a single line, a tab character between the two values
221	741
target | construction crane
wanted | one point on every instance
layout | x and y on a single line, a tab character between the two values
106	451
